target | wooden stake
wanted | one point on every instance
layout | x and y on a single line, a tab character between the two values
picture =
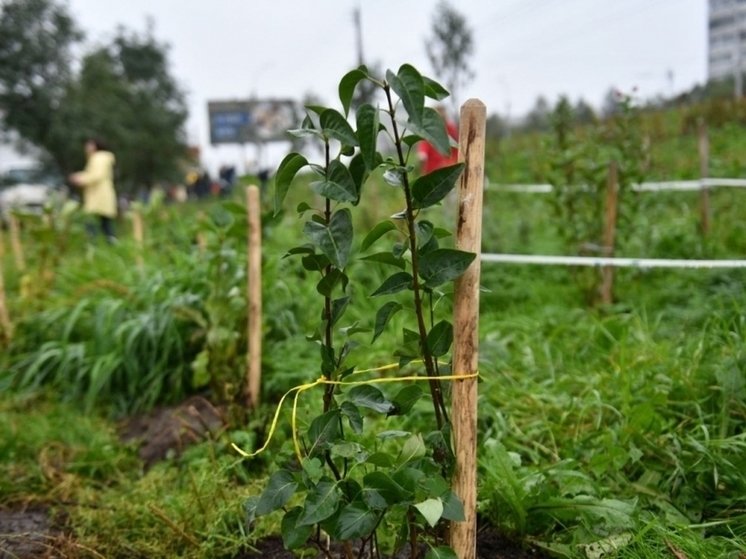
466	325
254	291
15	242
612	192
704	173
138	234
6	328
201	239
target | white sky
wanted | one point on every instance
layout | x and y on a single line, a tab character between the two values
227	49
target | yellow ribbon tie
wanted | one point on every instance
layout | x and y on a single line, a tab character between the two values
323	380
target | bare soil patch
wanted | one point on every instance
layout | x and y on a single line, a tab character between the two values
165	432
33	532
490	545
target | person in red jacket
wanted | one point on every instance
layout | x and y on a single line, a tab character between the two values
430	158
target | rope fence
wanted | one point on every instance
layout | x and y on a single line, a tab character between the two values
600	261
681	186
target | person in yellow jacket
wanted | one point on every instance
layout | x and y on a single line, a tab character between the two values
97	184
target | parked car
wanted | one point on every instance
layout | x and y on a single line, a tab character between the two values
29	190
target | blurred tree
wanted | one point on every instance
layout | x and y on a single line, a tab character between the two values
36	43
612	103
538	117
122	94
449	49
584	113
497	128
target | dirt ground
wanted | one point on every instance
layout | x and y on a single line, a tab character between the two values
26	533
165	432
490	545
34	533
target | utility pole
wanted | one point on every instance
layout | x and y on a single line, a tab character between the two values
738	70
358	34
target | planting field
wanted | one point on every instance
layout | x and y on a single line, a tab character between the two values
604	430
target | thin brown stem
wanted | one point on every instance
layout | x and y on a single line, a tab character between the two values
435	388
329	333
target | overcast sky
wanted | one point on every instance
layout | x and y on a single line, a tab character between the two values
228	49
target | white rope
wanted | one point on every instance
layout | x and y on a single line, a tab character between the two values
642	187
599	261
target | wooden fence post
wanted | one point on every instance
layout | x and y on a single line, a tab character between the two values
6	328
201	238
138	234
15	242
463	535
254	292
612	193
703	144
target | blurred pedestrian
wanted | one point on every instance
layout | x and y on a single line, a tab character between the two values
430	158
97	184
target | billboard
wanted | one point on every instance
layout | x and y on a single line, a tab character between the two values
254	121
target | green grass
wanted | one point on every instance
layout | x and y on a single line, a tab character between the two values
622	424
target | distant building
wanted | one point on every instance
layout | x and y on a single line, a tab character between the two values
727	38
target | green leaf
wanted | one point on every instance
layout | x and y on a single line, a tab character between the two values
424	231
430	189
313	469
440	338
249	509
441	552
410	87
367	396
357	520
315	262
394	176
340	186
318	109
394	284
380	460
338	308
329	282
453	508
386	258
348	84
408	478
431	509
352	413
434	90
383	316
321	502
413	449
349	450
410	335
443	265
376	233
610	511
323	431
286	172
408	352
335	241
359	174
435	485
353	329
367	134
281	487
407	397
328	359
293	534
380	491
433	129
334	125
